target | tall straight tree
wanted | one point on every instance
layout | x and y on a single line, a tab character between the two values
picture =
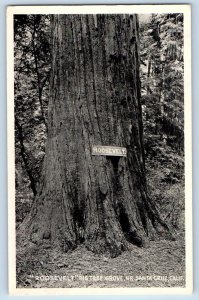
94	100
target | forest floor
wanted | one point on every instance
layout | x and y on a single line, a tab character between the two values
158	264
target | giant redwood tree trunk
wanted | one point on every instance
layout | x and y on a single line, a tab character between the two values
94	100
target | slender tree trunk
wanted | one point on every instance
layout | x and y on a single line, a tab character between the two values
25	157
40	84
95	100
148	75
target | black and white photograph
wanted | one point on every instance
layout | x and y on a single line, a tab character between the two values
99	149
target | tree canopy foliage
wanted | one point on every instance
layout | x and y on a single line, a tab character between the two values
161	52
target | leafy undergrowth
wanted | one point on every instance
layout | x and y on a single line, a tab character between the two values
165	180
158	264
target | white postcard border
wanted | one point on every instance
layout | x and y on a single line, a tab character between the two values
94	9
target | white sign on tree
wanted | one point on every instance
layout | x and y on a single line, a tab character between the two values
109	151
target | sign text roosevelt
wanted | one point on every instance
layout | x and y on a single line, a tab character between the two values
109	151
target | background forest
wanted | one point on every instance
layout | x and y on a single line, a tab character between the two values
162	90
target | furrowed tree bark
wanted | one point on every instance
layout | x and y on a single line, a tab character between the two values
94	100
